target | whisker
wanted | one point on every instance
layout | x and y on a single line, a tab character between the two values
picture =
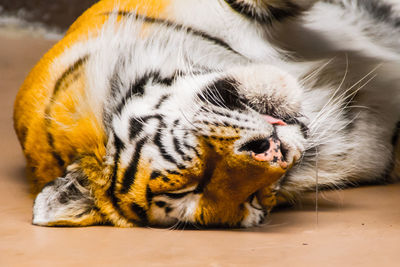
334	108
341	99
315	72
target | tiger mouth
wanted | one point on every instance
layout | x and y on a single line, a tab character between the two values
183	209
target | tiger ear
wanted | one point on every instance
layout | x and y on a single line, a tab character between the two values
66	201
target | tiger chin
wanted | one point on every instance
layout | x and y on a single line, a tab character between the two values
156	113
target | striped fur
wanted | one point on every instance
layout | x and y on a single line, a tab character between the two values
169	112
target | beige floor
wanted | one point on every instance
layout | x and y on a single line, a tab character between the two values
357	227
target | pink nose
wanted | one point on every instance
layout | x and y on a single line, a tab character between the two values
273	154
274	121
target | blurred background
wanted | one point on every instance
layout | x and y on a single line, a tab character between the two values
57	14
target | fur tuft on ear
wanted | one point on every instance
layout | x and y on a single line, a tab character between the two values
66	201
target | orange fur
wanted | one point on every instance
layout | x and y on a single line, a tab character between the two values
36	92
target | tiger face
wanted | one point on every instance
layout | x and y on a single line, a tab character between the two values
208	149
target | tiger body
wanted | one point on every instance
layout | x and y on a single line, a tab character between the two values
158	112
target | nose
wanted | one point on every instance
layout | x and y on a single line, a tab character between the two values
267	150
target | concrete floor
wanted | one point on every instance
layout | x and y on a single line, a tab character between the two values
356	227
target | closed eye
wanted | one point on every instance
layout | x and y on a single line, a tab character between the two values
177	195
180	193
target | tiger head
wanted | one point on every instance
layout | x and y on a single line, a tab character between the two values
206	149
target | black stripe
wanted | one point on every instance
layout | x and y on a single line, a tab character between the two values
161	101
176	142
167	81
68	72
136	89
173	172
155	175
163	151
130	173
269	14
303	128
59	159
216	137
178	27
140	212
135	127
149	195
48	119
50	141
119	146
192	148
208	173
223	93
136	124
177	195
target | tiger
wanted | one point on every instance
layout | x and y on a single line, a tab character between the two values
209	112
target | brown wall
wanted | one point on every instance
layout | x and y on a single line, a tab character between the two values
58	13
